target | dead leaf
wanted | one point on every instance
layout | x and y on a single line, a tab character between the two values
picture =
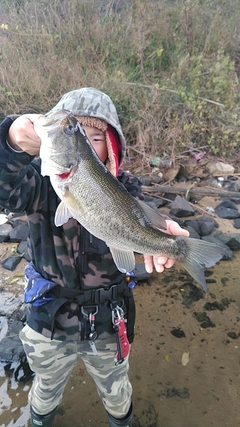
185	359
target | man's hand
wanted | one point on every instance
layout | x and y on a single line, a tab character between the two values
22	136
161	262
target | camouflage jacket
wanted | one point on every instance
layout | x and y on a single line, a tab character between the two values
67	256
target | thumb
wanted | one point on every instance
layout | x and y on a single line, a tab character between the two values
174	228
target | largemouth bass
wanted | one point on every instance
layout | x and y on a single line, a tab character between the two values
97	200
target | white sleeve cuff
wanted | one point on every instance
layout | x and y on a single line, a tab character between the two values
13	149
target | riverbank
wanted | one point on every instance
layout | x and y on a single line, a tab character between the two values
185	357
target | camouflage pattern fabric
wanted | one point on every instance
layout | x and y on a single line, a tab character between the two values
68	255
53	362
73	259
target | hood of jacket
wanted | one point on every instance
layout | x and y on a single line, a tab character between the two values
89	101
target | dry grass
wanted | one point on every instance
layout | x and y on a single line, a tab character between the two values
162	62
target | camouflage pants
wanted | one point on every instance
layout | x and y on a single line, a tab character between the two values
53	361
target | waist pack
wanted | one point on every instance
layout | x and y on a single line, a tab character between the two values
41	292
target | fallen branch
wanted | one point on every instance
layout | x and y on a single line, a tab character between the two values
206	191
156	87
195	207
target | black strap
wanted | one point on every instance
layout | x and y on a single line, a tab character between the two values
96	297
131	313
91	296
69	294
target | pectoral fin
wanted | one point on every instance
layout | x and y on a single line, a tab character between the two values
62	214
154	217
124	260
68	208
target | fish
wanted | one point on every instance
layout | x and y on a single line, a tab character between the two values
102	205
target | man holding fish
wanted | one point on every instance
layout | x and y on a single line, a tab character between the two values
86	220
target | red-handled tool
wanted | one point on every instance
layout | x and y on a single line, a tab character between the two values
123	345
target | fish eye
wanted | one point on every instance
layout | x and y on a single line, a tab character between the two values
69	130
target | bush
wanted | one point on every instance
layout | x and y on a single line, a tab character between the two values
171	67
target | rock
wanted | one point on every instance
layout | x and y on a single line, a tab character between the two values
228	204
178	220
212	182
157	203
11	262
19	232
227	213
236	223
145	180
23	250
181	178
11	349
18	221
192	232
204	320
183	393
191	294
227	209
236	201
156	179
217	305
233	335
194	198
232	240
220	168
228	255
206	225
236	185
147	198
229	185
178	333
170	196
5	230
12	354
193	223
10	303
181	208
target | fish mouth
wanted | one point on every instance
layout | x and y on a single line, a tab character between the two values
66	175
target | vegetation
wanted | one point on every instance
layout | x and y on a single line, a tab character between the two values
171	67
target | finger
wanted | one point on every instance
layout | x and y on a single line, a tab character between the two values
159	267
169	263
161	260
159	263
175	229
31	132
148	260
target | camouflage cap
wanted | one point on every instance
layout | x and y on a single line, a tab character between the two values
89	101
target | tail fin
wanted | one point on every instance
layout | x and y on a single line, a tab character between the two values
200	254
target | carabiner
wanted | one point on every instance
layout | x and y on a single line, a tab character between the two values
117	315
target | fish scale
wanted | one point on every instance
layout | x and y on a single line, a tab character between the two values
95	198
